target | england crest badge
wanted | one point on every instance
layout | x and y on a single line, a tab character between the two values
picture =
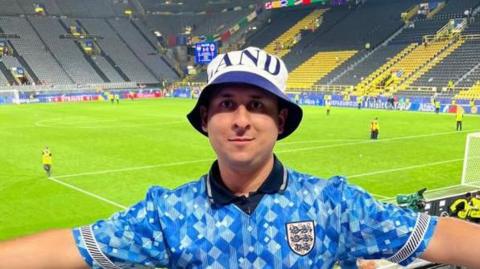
301	236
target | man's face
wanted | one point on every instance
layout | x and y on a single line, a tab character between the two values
243	123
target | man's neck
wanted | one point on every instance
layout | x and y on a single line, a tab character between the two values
242	182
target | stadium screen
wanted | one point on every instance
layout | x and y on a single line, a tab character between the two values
205	52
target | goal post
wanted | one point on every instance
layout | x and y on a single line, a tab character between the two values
9	97
471	161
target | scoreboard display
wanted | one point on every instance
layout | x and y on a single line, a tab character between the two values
205	52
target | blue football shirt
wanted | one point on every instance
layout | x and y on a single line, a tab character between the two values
307	223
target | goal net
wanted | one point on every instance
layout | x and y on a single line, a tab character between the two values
471	162
9	97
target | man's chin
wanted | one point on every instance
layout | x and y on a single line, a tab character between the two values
243	160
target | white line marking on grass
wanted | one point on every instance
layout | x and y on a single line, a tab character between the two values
404	168
316	141
373	141
73	123
88	193
135	168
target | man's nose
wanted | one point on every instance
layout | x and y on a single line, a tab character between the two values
241	119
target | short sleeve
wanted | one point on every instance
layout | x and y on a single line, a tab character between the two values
373	230
130	238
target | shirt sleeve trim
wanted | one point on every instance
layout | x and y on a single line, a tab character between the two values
414	241
94	249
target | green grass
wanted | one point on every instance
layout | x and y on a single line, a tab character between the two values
118	151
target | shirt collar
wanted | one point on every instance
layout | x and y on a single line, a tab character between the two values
219	193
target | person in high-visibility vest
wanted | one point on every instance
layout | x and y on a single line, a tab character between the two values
473	108
374	128
47	161
437	106
459	118
359	101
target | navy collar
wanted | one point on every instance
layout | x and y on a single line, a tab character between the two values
218	193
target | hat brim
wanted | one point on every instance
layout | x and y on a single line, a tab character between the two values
295	113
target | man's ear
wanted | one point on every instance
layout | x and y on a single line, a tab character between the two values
282	119
204	117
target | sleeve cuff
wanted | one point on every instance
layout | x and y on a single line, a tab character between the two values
417	242
90	250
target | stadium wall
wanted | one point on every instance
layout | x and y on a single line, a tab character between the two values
84	96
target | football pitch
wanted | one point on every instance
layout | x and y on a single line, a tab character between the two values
106	156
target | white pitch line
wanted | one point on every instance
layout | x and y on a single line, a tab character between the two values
134	168
88	193
372	141
404	168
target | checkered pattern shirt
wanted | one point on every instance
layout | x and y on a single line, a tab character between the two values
308	223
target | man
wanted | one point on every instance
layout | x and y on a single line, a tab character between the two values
328	103
437	106
359	101
47	161
459	117
374	128
250	211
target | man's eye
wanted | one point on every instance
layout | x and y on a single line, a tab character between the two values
256	105
226	104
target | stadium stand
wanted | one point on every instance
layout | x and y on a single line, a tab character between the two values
193	5
474	28
12	62
68	55
50	6
369	23
405	67
3	76
282	44
368	65
34	51
456	8
453	67
280	21
201	24
366	82
311	71
142	49
10	7
115	48
472	93
425	67
70	8
471	77
415	31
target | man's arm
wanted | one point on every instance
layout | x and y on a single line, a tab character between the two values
454	242
52	249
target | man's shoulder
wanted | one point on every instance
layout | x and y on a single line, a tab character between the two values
309	183
190	189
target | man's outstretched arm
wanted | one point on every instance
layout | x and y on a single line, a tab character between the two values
52	249
454	242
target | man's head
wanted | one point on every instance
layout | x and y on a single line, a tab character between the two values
252	68
243	123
